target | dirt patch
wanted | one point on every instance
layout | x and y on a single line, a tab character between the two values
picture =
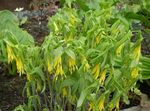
13	4
11	88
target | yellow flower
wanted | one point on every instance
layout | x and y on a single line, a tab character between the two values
91	106
55	27
102	76
64	92
72	64
19	65
59	70
101	103
117	103
85	63
28	92
111	106
28	77
86	66
11	56
97	40
57	61
38	86
49	67
72	19
134	72
119	49
114	104
58	66
137	52
96	71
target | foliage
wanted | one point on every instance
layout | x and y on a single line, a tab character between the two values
94	45
87	62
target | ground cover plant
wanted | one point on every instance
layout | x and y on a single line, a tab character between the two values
87	62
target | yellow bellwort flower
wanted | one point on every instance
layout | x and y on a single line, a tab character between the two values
117	103
97	40
96	71
28	77
134	72
11	56
102	76
119	49
49	67
58	66
101	103
111	106
55	27
64	92
19	65
86	66
85	63
137	52
72	19
91	106
38	86
72	64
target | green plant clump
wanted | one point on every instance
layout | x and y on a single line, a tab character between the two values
87	62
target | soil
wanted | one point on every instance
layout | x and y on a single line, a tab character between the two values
11	86
13	4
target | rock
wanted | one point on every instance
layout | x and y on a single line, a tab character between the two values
135	108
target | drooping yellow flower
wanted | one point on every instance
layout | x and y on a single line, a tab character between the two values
102	76
59	70
111	106
57	61
85	63
91	106
49	67
97	40
64	92
38	86
72	64
101	103
28	77
58	66
134	72
137	52
55	27
114	105
119	49
28	92
73	98
117	103
96	71
11	56
72	19
19	64
86	66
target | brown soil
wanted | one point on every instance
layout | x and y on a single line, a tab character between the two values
13	4
11	87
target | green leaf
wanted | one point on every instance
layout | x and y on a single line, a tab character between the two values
70	53
58	51
19	108
68	82
142	18
85	93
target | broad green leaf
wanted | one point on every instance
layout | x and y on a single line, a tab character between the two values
85	93
70	53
